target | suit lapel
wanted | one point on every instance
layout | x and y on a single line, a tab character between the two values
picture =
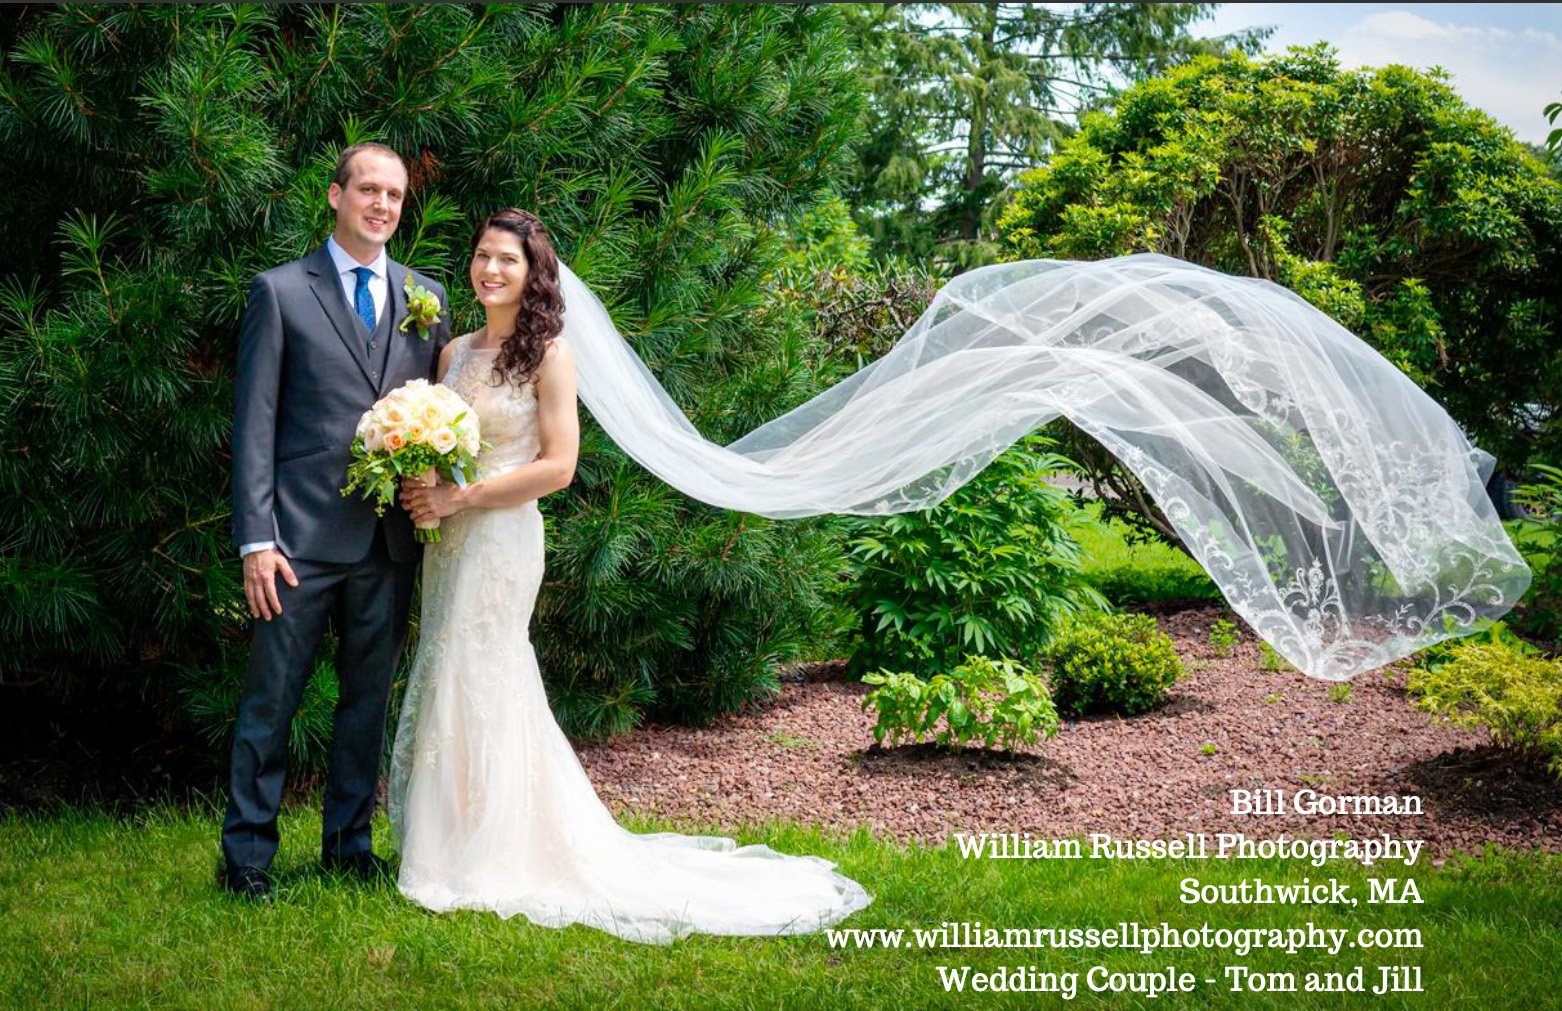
396	276
327	286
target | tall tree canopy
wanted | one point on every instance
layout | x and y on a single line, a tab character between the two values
157	157
964	95
1414	220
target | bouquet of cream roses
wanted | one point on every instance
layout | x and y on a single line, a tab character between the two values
421	430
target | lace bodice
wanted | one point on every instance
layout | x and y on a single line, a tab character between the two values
506	414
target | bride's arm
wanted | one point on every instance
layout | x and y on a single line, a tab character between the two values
558	431
444	361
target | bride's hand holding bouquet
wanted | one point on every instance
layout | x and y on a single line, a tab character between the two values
420	432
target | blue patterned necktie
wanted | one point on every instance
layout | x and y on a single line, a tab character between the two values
362	300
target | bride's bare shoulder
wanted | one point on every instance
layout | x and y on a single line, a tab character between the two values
558	351
448	352
557	369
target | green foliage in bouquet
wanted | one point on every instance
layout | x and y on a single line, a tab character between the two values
1513	692
157	157
377	476
993	569
996	702
1114	663
1378	195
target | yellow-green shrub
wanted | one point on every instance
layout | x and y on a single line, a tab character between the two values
1516	697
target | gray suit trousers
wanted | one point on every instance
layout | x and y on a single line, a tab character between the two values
368	603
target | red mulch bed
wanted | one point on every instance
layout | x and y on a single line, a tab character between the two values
811	757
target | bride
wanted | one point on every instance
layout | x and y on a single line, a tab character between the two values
1339	509
489	805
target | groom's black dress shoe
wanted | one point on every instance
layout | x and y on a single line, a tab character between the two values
365	866
248	882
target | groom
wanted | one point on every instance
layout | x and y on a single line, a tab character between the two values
320	343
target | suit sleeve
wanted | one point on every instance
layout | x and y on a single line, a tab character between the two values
256	386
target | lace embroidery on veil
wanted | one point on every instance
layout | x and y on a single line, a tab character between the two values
1338	508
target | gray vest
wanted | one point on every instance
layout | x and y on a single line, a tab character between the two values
376	347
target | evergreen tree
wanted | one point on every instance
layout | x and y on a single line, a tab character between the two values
965	95
158	157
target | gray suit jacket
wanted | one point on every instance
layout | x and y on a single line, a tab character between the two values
304	379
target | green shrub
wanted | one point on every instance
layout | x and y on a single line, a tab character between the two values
990	570
209	702
995	701
1540	541
156	158
1495	633
1516	696
1377	195
1120	663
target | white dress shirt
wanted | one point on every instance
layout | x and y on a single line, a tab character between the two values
379	285
379	290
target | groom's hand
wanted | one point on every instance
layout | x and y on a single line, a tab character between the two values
260	581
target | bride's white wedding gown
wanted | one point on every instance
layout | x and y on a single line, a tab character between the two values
489	805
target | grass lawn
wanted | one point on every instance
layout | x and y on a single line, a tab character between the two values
1128	574
99	911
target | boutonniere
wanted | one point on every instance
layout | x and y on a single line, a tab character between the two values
422	308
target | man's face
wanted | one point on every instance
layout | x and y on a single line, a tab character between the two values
368	208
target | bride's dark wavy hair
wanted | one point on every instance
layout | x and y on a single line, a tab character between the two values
541	315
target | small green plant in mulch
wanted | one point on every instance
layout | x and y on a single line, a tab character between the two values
1223	637
1273	661
782	739
996	702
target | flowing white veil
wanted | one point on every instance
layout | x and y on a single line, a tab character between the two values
1339	509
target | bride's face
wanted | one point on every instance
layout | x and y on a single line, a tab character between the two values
499	269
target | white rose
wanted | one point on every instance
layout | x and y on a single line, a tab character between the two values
373	437
443	440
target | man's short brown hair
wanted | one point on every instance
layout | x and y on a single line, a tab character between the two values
344	161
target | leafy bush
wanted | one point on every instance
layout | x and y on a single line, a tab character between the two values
1515	695
1120	663
1377	195
992	569
996	701
1495	633
1539	539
